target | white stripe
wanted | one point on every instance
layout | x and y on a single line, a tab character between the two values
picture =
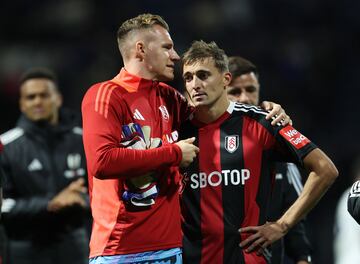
247	108
294	177
140	115
11	135
231	107
77	130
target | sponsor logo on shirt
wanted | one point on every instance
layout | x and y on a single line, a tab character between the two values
216	178
231	143
164	112
35	165
294	137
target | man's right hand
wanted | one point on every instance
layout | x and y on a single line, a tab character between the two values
69	196
188	150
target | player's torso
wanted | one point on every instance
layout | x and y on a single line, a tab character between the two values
151	108
39	168
225	188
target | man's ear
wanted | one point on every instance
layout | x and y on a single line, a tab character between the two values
140	49
227	78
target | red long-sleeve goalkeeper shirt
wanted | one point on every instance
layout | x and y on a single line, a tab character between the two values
118	229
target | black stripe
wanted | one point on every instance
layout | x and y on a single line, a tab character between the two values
192	240
233	195
264	191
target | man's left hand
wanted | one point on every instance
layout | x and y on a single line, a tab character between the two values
262	236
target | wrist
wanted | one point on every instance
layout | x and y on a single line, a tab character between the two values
284	226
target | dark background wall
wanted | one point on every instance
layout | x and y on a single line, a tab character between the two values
307	53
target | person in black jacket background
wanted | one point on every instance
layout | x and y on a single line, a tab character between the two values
245	88
45	207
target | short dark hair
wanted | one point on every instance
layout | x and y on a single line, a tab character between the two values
139	22
200	51
239	66
39	73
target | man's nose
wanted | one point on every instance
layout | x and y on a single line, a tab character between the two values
175	56
195	83
243	98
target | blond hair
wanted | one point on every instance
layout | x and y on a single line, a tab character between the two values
143	21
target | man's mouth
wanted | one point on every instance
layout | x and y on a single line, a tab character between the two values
198	95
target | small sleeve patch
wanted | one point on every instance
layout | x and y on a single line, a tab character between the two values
294	137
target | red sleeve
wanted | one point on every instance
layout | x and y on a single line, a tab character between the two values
103	115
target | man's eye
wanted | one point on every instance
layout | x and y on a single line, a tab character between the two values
202	75
188	78
30	97
250	89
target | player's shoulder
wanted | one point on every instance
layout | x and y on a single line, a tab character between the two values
11	136
252	113
101	93
100	89
248	110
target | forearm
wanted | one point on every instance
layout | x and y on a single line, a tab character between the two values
322	175
25	209
122	162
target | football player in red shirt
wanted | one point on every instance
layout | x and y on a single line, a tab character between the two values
228	185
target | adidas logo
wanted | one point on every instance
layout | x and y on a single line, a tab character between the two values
138	115
35	165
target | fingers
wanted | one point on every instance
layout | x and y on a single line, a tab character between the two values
78	186
266	105
276	113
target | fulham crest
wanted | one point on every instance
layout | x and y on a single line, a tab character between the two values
231	143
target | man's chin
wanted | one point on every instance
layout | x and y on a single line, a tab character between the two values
39	119
166	78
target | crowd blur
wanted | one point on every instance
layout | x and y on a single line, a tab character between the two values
305	50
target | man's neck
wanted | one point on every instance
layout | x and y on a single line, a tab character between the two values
209	113
138	69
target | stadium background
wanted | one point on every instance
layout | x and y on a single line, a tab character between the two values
307	53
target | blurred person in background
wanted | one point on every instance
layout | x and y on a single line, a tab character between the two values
347	219
245	88
226	190
45	205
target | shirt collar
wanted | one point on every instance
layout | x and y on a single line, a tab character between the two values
130	82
